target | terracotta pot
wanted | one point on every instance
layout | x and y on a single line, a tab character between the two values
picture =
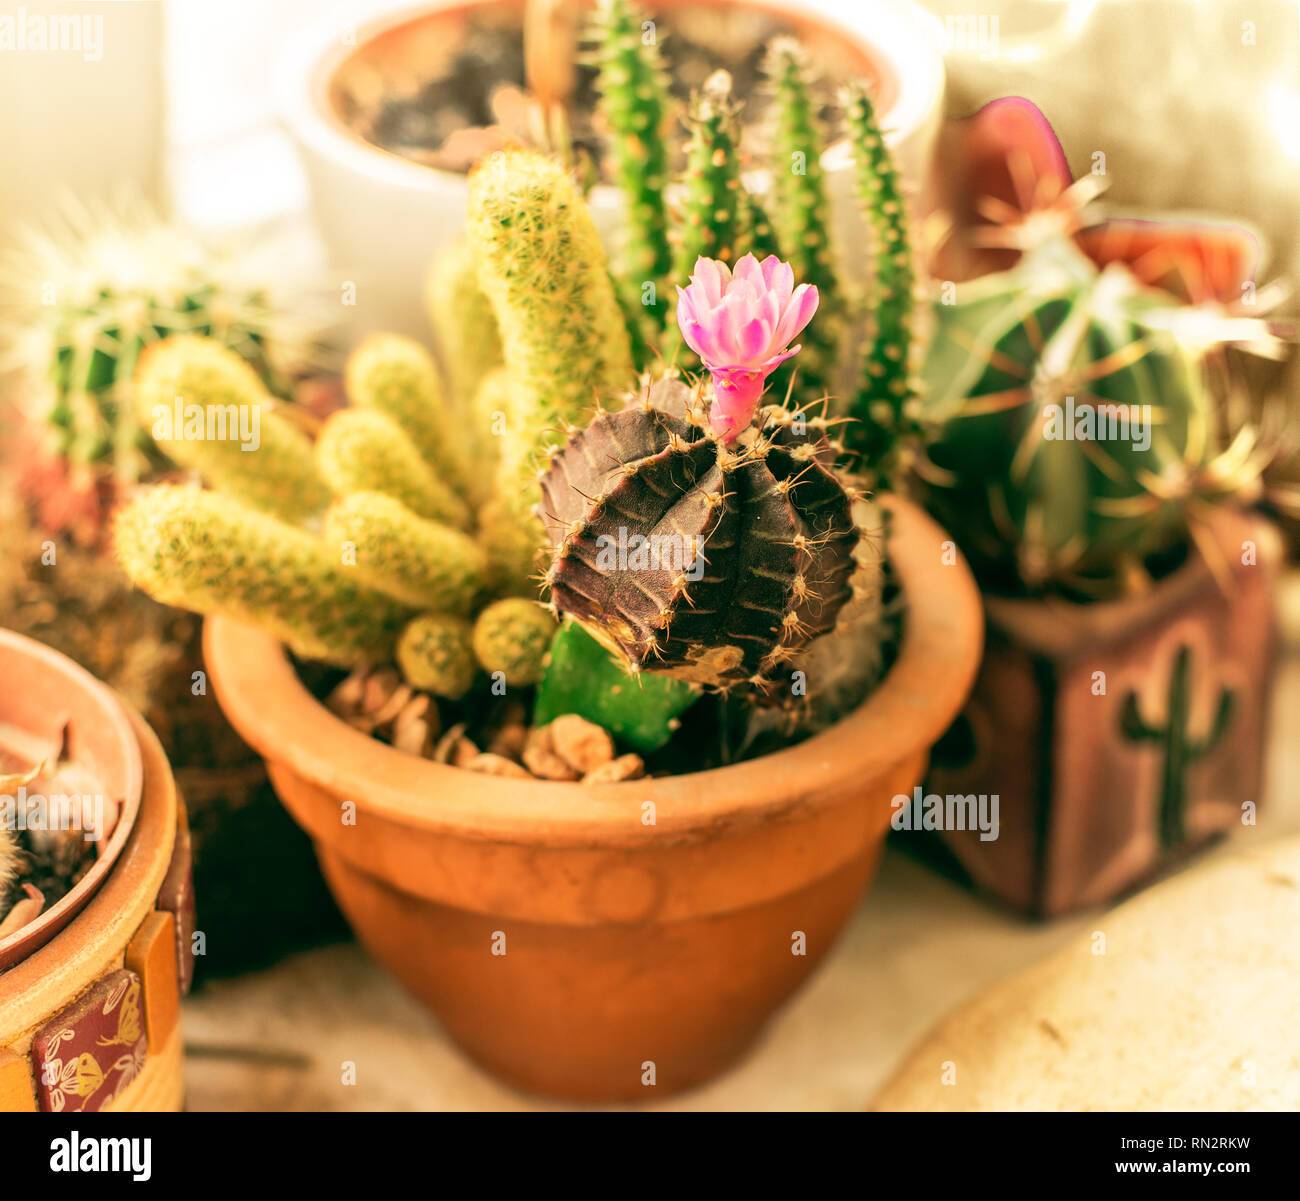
91	1020
569	936
46	698
1118	736
380	213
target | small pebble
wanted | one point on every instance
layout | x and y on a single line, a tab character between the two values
580	743
496	765
625	767
547	765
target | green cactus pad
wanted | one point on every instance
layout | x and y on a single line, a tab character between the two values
202	551
361	450
512	636
416	561
188	388
434	655
582	677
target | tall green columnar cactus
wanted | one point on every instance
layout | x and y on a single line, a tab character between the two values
201	551
542	266
208	411
714	208
1180	749
634	103
800	212
885	406
1071	429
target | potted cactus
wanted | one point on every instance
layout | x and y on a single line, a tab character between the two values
94	956
1121	709
388	120
741	658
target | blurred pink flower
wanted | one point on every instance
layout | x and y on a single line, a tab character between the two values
741	324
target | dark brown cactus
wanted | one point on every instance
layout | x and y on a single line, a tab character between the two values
708	562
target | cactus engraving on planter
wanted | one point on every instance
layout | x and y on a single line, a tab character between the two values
1181	750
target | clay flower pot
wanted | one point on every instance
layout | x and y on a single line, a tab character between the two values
1121	735
379	212
570	936
89	1014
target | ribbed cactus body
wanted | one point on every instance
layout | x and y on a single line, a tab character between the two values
513	636
418	562
715	564
798	206
362	450
885	407
202	402
201	551
1020	366
396	376
434	655
462	318
633	102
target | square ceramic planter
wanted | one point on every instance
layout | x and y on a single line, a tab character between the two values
1117	736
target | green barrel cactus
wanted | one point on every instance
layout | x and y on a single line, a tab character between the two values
1071	428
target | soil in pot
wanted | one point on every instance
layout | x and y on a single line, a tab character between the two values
449	87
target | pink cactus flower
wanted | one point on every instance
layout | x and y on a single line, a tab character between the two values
741	324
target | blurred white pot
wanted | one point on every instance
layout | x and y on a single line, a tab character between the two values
383	217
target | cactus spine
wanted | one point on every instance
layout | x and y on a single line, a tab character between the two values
208	411
513	636
418	562
800	212
633	100
1181	750
885	407
197	550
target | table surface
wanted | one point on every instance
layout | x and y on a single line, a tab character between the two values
918	944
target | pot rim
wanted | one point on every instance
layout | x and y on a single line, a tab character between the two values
268	704
28	939
897	34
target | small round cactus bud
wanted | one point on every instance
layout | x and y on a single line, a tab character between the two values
422	563
360	450
434	655
512	636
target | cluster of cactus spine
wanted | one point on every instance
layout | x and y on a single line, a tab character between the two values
635	105
800	212
885	407
1072	438
93	292
354	550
